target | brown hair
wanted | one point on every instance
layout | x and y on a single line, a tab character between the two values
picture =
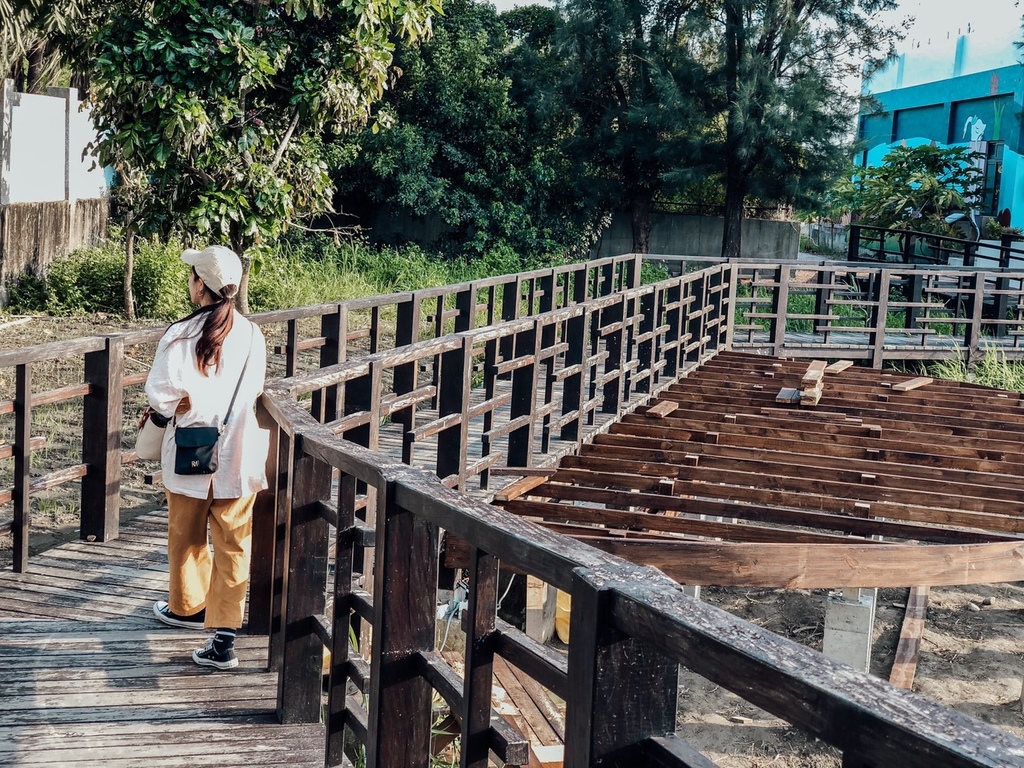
219	320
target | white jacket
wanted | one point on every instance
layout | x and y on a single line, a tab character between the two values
243	445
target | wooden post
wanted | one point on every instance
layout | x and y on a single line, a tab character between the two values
878	317
612	392
780	303
576	338
282	486
343	562
404	600
334	329
621	691
291	353
299	679
645	349
914	293
22	463
101	441
264	534
524	392
975	306
674	319
853	243
453	398
476	691
406	375
465	302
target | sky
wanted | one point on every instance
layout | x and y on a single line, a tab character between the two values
933	18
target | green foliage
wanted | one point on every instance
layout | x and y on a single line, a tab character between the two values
914	188
91	280
466	146
640	102
305	270
787	111
221	105
993	370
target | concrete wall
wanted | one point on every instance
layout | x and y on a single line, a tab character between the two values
675	234
33	234
53	195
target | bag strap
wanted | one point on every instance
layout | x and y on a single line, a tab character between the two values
252	334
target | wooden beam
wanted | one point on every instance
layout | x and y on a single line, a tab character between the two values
817	566
839	366
906	386
661	410
520	487
905	664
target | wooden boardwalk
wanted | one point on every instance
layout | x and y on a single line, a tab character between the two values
89	678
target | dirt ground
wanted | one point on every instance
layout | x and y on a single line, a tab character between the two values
971	658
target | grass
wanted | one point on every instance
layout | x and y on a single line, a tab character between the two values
303	270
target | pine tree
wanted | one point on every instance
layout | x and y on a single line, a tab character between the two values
789	117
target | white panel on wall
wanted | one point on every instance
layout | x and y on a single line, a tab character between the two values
87	177
36	149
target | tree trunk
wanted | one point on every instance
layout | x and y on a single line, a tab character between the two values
640	219
129	271
242	299
735	172
732	226
36	59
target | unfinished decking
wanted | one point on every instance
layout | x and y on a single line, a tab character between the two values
88	677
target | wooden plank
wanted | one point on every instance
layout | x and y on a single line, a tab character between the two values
537	728
905	664
520	487
661	410
816	566
839	366
906	386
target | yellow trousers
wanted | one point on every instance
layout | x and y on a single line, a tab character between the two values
200	579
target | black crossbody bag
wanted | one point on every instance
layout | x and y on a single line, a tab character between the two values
197	449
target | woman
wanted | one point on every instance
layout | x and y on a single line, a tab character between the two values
201	363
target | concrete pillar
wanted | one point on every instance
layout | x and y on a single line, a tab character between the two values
849	626
691	590
540	609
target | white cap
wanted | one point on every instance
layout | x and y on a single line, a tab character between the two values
216	266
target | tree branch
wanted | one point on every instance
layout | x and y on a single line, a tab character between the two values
284	141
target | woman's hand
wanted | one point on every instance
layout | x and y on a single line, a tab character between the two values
184	405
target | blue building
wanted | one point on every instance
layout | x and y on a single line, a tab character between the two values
966	89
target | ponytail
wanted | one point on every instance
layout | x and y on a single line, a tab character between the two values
216	328
218	323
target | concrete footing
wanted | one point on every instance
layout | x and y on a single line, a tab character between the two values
849	626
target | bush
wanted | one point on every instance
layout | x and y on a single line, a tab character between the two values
307	269
91	280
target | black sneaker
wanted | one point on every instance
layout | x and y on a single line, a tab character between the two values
164	613
208	657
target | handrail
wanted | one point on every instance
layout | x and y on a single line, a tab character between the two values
873	723
111	405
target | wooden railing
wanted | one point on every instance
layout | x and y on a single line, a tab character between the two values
630	626
506	374
96	381
870	313
881	245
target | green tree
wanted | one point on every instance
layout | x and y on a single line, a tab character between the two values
639	89
468	145
787	113
222	105
914	188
